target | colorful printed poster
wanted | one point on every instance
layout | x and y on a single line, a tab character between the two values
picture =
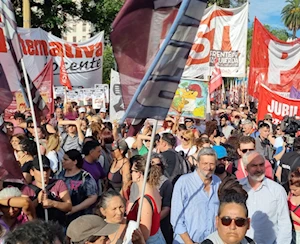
190	99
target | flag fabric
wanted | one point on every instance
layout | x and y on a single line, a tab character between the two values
9	23
273	62
294	93
11	55
6	94
151	73
236	92
216	77
231	92
63	76
10	171
44	84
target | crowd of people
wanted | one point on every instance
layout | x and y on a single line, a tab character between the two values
229	179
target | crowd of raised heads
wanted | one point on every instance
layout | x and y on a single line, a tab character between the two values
228	179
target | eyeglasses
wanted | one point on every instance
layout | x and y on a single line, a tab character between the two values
239	222
277	128
269	119
247	150
146	140
185	139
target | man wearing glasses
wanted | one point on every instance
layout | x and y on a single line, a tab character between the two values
246	144
267	204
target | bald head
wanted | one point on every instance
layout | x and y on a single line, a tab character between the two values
254	163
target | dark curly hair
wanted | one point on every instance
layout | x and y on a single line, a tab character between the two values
230	191
36	232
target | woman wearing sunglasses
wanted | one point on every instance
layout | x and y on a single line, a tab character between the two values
187	143
232	221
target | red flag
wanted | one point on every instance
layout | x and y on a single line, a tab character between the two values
216	77
63	77
273	62
44	83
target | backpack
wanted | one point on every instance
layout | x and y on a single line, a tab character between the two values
182	166
53	213
64	139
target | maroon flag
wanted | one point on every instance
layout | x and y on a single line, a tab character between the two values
11	54
44	84
9	168
151	40
138	31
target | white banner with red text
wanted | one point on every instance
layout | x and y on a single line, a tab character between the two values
83	61
222	34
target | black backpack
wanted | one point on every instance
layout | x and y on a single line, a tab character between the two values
53	213
182	166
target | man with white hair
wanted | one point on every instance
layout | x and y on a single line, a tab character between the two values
195	201
247	127
267	203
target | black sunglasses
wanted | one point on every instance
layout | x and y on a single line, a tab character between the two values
247	150
239	222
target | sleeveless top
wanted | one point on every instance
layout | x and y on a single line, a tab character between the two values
292	207
132	215
116	179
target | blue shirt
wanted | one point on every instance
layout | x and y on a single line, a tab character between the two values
193	209
269	215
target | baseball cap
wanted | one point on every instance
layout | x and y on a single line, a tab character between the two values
89	225
45	162
188	120
81	110
221	151
130	141
103	110
120	144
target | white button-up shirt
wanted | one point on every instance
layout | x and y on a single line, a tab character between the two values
268	209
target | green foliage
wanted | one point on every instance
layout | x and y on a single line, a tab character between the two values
221	3
101	13
50	15
108	63
290	15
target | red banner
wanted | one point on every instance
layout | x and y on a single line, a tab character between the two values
273	62
276	105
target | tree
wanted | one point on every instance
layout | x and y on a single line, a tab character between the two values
101	13
50	15
221	3
290	16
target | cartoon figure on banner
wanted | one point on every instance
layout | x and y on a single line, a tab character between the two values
190	99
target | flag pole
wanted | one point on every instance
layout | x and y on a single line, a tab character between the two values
147	171
37	141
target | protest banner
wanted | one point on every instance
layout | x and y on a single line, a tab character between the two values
116	105
273	62
105	88
222	34
59	91
190	99
276	105
83	61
